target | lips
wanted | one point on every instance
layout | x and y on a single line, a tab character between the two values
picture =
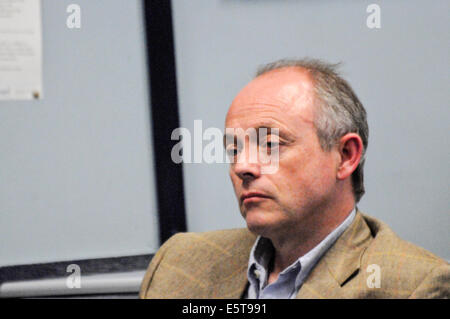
251	195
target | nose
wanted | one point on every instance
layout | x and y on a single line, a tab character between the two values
246	169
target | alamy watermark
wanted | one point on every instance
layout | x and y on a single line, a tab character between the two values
374	280
373	20
73	20
258	146
74	279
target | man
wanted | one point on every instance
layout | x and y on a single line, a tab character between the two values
305	236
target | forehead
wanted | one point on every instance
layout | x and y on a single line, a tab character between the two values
281	97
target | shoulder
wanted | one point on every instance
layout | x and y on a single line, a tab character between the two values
213	242
405	268
386	245
185	264
204	245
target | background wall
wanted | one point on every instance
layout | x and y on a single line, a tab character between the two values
400	73
76	171
76	168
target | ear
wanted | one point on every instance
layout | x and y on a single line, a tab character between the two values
350	149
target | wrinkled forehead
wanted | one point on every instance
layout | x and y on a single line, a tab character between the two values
277	95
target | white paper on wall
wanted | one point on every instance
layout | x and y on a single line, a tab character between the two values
20	50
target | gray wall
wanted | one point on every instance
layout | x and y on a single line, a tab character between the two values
400	73
76	169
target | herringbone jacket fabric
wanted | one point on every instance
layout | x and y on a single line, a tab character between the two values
214	265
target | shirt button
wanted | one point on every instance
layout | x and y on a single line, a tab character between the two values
257	273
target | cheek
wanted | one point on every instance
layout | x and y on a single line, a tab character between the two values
323	174
289	182
304	175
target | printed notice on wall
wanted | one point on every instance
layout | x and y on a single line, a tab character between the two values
20	50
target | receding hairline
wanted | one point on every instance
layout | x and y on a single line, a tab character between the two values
296	68
307	64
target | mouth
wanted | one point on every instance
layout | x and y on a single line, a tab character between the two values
253	197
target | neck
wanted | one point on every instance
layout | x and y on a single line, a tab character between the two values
305	236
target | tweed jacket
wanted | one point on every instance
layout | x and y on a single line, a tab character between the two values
367	261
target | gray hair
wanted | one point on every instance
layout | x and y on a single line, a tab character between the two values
339	109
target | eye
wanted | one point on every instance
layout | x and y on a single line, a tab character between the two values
271	144
232	151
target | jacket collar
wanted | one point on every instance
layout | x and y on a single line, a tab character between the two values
339	263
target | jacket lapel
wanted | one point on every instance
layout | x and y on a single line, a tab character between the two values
339	263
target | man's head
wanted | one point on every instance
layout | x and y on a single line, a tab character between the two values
322	139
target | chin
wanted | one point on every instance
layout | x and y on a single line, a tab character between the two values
257	223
